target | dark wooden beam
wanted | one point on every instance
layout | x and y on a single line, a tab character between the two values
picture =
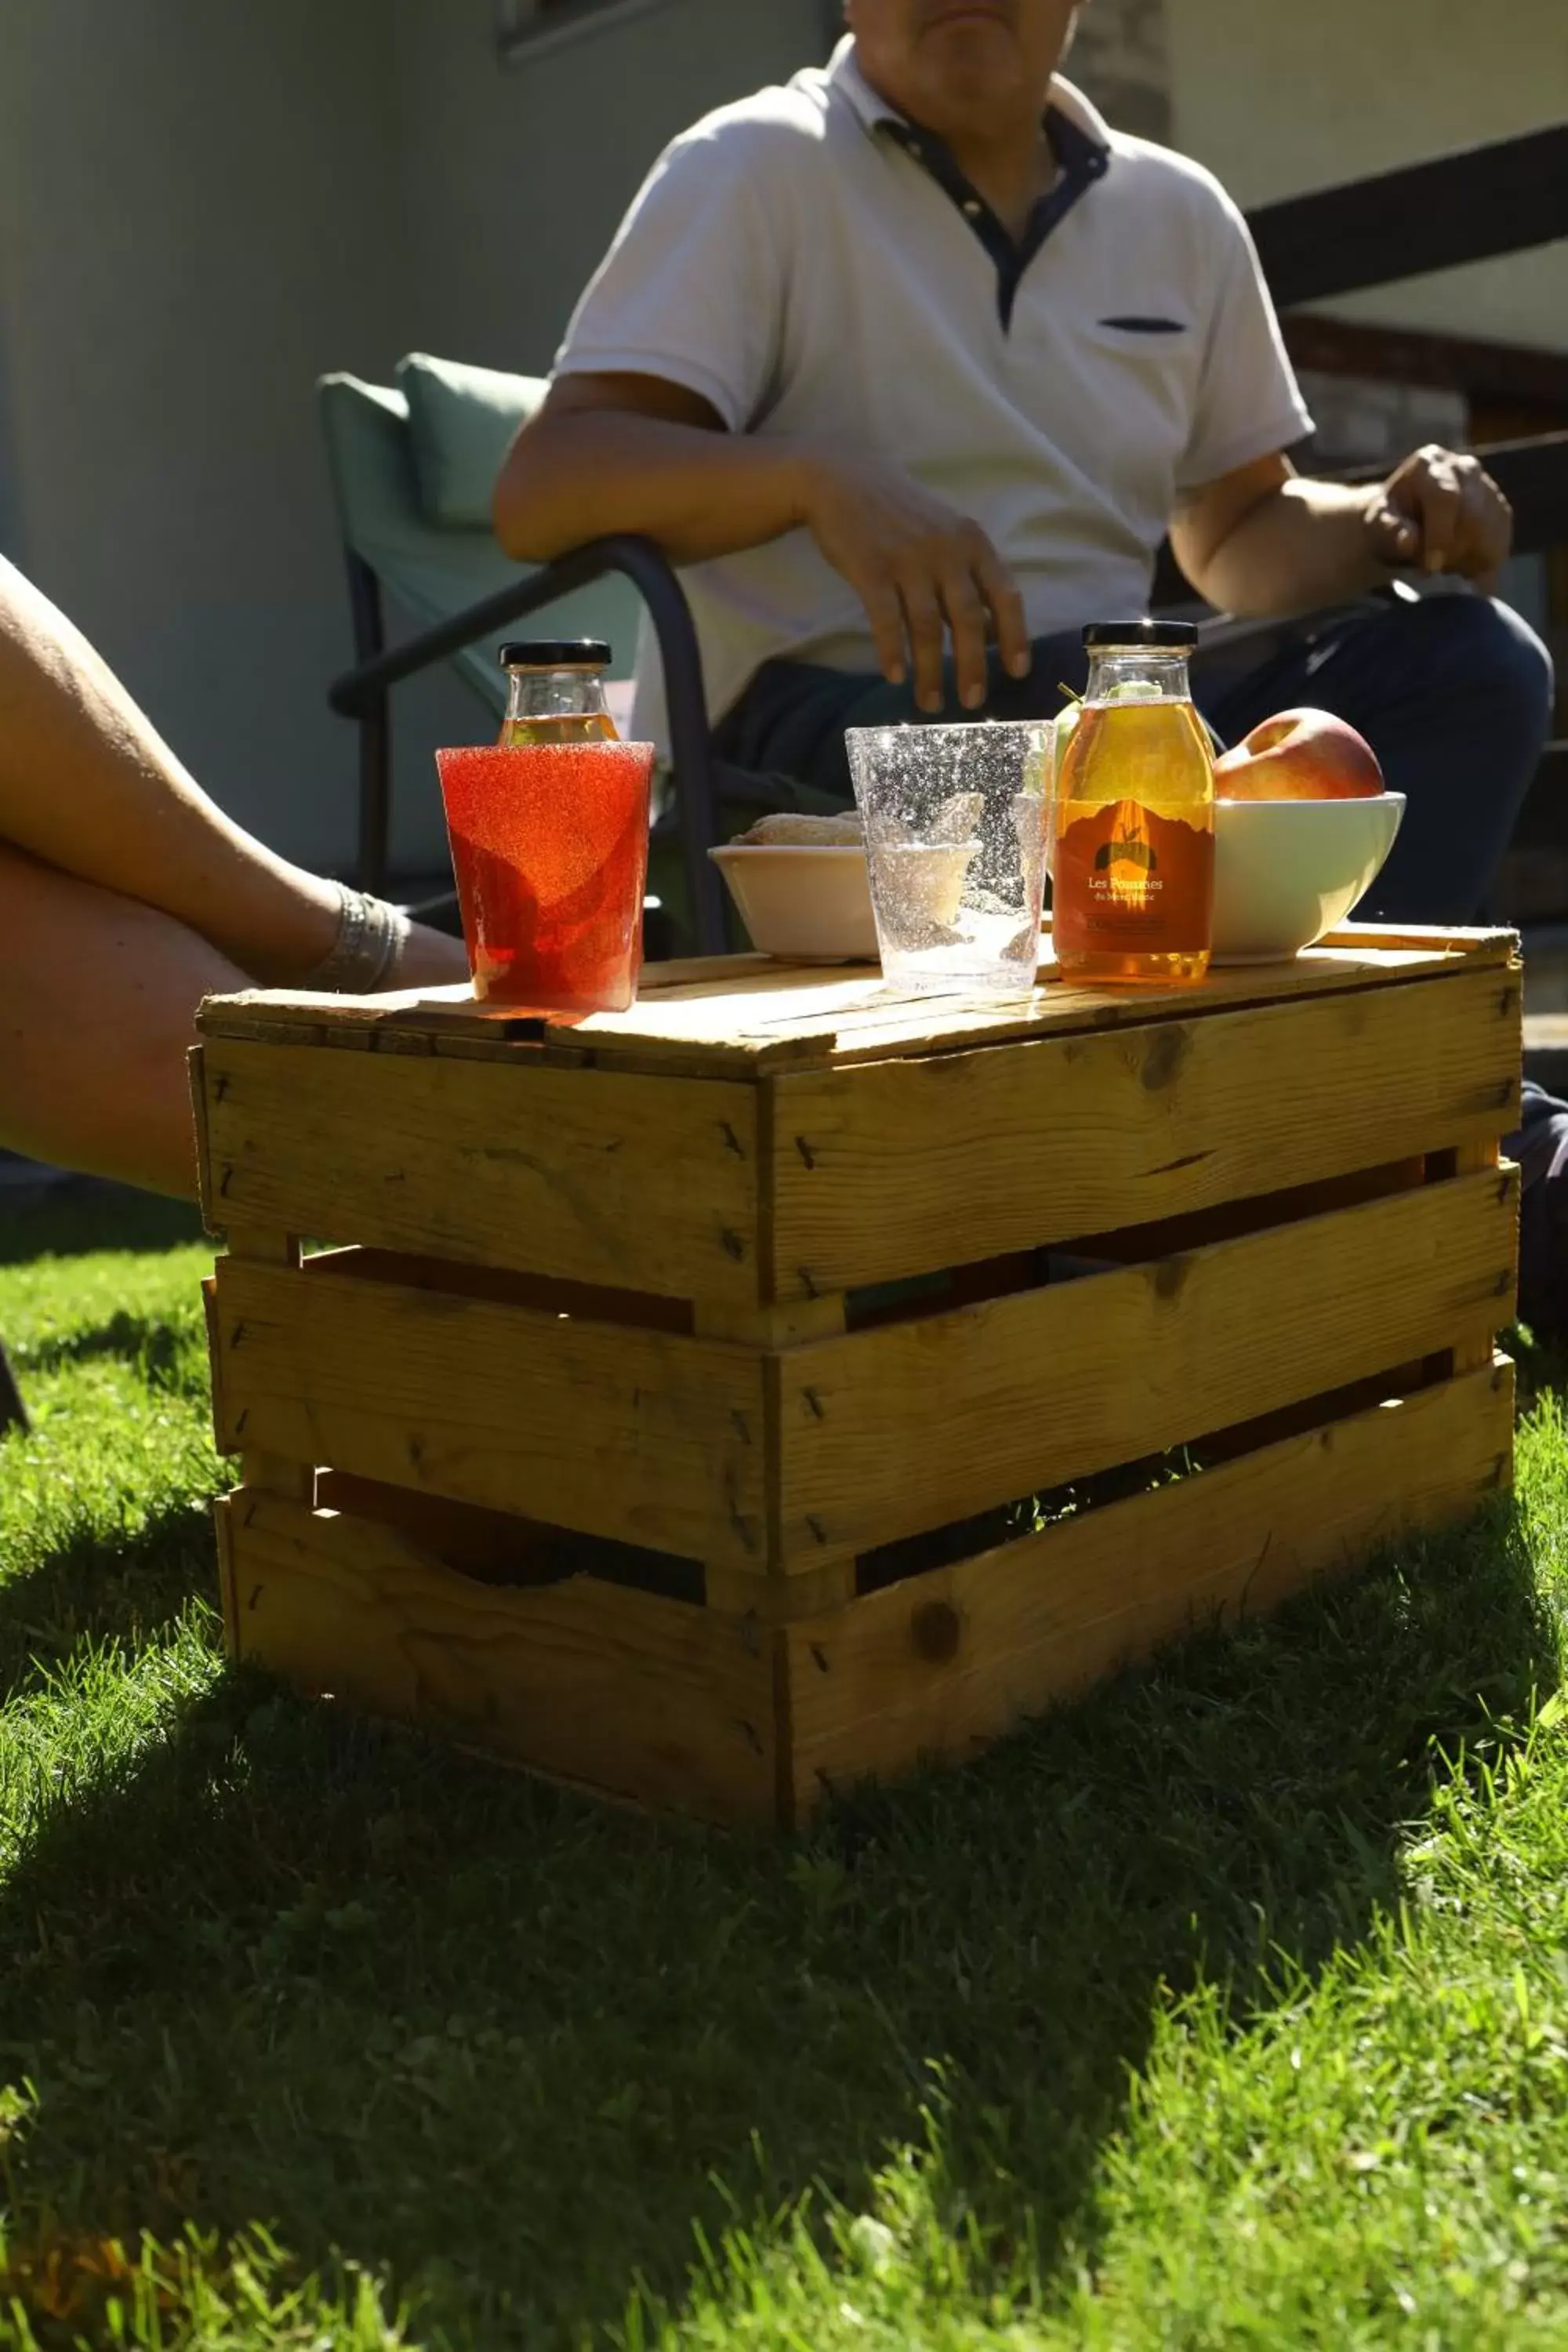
1502	375
1501	198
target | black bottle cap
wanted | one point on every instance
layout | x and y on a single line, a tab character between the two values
554	653
1160	636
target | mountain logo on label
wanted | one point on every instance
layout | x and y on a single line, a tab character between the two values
1125	851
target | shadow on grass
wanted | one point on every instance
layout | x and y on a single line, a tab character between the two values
96	1215
116	1592
505	2044
160	1351
1542	1364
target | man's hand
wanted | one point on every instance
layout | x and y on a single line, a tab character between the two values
924	573
637	453
1443	512
1266	540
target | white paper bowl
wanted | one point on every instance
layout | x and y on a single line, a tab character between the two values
807	902
1287	871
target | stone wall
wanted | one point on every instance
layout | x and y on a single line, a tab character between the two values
1119	57
1362	422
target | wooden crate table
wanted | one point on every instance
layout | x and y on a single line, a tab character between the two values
785	1380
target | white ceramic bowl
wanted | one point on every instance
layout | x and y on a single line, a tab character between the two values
1287	871
808	902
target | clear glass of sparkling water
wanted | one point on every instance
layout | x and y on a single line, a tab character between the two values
956	821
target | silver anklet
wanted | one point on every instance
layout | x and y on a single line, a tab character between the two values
371	937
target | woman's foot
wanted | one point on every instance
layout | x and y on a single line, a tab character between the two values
428	959
376	947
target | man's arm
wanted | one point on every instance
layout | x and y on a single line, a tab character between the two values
638	453
1266	540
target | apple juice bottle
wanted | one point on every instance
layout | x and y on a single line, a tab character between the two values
556	691
1133	888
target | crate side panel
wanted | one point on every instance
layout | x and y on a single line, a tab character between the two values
943	1662
886	1171
644	1436
650	1183
889	1432
635	1696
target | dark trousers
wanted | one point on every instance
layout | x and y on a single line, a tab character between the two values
1453	693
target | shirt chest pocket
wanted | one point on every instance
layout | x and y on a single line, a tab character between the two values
1116	389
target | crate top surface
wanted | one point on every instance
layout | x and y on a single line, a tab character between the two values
749	1015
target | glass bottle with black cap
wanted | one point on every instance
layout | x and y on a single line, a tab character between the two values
556	691
1133	877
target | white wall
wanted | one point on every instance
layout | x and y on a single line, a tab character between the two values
203	206
1279	99
516	177
204	214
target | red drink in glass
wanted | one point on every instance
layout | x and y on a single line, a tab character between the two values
550	850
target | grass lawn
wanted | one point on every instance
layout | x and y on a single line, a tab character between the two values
1228	2008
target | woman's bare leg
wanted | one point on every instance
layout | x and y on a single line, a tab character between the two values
98	994
87	786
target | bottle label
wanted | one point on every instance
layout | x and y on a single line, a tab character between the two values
1127	878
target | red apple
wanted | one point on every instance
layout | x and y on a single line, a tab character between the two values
1300	755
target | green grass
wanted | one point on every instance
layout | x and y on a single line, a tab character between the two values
1228	2008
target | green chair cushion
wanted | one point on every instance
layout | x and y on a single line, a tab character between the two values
460	423
433	570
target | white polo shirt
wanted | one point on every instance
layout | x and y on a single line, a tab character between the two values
817	268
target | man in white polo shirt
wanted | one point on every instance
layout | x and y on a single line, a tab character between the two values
912	364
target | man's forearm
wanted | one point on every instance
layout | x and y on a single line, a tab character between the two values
1304	545
698	494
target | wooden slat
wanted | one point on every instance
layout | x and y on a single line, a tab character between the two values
1488	945
889	1432
694	971
909	1165
856	1018
195	1079
1472	1159
877	1030
1515	376
601	1178
774	1599
750	1022
810	1318
227	1601
636	1434
262	1245
649	1698
1503	198
278	1474
940	1664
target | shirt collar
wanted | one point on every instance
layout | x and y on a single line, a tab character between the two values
844	75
